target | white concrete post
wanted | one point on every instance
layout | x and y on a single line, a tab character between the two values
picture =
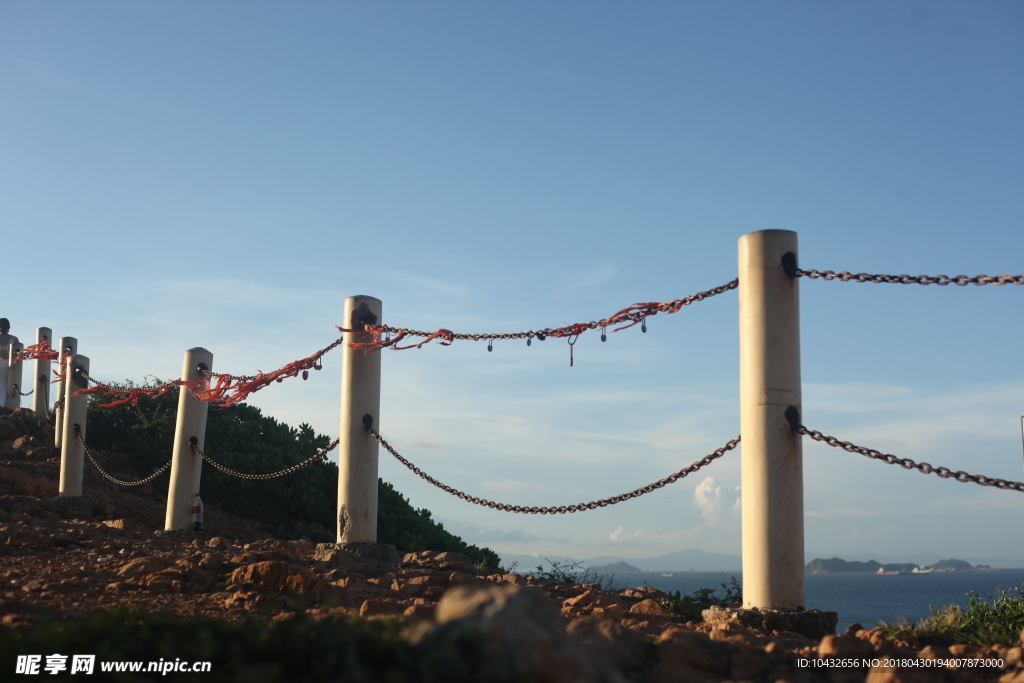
68	346
41	393
360	410
72	451
12	395
772	462
186	466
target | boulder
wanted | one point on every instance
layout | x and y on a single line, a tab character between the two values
650	609
274	575
123	525
521	635
143	566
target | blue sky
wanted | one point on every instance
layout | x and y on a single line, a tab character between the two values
224	175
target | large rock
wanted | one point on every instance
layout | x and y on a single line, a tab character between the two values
648	609
811	623
521	636
274	575
143	566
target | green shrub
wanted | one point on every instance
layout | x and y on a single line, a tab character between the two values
984	621
689	607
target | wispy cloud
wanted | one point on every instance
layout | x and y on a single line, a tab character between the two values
42	74
474	533
584	280
620	534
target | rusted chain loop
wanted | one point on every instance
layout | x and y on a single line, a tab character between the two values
561	509
959	280
293	468
24	394
121	392
632	315
105	475
249	378
909	464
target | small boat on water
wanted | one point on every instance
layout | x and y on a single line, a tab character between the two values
821	571
669	574
881	571
918	570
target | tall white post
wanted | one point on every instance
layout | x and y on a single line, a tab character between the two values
41	392
12	393
772	462
72	452
186	466
68	346
360	411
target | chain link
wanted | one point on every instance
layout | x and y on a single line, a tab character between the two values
561	509
249	378
907	463
294	468
103	472
632	315
959	280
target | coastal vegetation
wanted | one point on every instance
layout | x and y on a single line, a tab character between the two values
691	606
985	621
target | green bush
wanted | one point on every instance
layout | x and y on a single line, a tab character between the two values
241	438
985	621
690	607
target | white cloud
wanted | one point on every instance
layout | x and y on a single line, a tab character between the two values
620	534
708	499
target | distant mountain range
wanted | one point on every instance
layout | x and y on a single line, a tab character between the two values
680	561
697	560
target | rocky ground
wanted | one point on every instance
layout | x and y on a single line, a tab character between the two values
66	560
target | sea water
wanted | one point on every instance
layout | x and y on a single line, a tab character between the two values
863	598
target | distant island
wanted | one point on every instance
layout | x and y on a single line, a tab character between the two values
837	566
615	567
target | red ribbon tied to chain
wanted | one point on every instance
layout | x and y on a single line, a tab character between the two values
133	396
446	337
42	351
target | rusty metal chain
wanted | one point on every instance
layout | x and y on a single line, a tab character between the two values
18	389
111	390
105	475
636	314
248	378
58	405
907	463
293	468
561	509
959	280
